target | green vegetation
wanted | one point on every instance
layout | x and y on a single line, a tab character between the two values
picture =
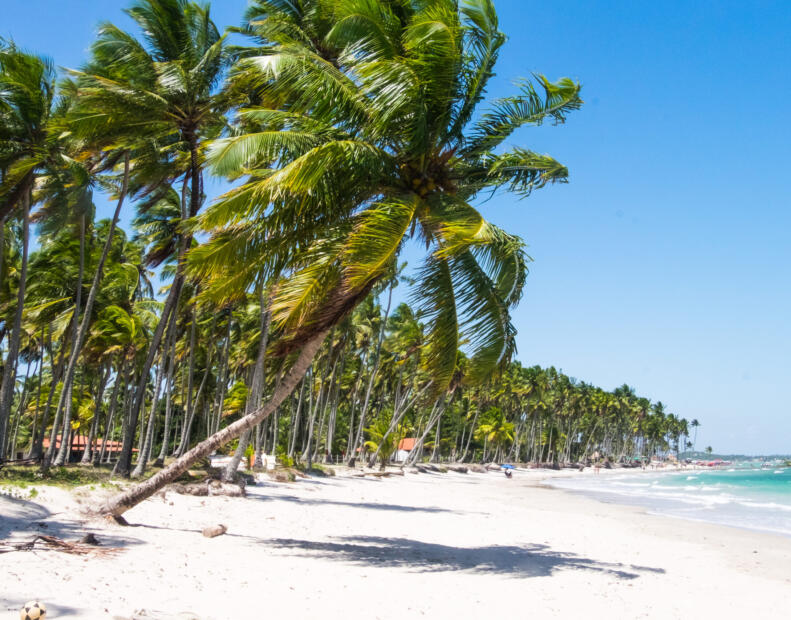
348	129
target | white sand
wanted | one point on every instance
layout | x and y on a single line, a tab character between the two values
443	546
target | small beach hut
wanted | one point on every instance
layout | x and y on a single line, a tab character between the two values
404	448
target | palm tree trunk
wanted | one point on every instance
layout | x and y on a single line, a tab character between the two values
9	375
65	395
120	379
87	455
124	501
142	459
374	370
168	396
255	393
295	424
350	455
37	451
397	417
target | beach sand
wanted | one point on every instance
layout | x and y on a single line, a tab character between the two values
435	545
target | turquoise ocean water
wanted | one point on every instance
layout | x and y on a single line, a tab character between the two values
748	497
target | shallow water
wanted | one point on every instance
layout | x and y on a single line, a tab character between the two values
757	499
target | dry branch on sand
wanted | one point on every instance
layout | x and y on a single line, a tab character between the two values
88	545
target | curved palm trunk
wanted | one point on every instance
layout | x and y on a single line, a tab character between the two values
142	460
37	451
133	496
168	398
397	417
9	375
295	424
256	391
87	455
416	451
120	379
377	358
469	437
82	332
65	401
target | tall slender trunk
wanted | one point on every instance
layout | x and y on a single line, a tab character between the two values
398	415
37	450
9	374
38	392
142	459
125	460
168	396
295	424
131	497
436	413
65	395
374	370
472	432
87	455
120	379
350	456
256	390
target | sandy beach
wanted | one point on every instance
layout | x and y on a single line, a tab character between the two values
436	545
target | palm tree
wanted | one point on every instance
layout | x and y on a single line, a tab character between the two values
28	145
360	138
159	98
383	441
694	424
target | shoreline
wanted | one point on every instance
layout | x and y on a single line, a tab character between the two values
460	545
652	505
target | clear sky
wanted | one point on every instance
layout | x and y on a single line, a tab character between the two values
665	262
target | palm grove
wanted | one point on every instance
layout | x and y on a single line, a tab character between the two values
347	129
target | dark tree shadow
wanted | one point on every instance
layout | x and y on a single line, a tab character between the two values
329	502
517	561
22	519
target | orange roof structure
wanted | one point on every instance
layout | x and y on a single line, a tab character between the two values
80	441
407	443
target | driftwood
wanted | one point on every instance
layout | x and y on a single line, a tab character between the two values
214	530
459	469
53	543
380	474
428	467
476	468
209	487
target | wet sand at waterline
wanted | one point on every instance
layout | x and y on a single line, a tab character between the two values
435	545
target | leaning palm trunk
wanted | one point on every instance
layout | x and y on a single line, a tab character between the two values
398	415
256	389
87	455
434	417
168	400
142	460
133	496
377	358
80	334
9	376
65	395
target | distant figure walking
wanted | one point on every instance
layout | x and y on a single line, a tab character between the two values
596	468
507	473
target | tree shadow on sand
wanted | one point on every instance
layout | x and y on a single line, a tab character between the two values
329	502
22	519
517	561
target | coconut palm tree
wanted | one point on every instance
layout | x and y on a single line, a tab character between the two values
360	138
158	96
28	146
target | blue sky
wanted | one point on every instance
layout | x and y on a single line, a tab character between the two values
664	263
